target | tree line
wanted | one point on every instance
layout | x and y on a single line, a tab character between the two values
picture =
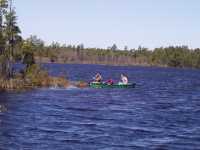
172	56
13	48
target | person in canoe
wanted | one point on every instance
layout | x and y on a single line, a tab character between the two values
110	82
98	78
124	79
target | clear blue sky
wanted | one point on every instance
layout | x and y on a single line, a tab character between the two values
100	23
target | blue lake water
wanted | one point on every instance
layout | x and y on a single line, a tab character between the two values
162	112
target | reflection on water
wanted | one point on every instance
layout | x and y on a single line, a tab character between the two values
162	112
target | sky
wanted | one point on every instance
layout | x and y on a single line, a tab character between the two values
101	23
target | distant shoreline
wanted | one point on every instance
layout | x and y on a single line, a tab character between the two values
173	56
47	61
116	65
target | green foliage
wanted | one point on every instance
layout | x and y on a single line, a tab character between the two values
12	30
35	75
9	38
28	59
28	54
36	42
172	56
3	4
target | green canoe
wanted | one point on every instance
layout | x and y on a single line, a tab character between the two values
105	85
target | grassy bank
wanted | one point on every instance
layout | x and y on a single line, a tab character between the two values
32	77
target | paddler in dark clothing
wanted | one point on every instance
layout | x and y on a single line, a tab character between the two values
98	78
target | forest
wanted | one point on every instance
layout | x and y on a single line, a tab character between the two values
172	56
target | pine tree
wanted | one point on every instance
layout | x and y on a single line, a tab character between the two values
9	34
3	10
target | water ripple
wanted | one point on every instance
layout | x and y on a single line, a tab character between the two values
162	112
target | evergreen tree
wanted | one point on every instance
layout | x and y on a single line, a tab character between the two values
9	37
3	10
12	37
114	47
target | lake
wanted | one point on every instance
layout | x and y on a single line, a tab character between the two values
162	112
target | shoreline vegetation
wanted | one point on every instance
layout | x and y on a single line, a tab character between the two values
11	43
33	51
172	56
33	77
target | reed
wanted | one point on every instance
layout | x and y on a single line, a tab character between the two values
32	77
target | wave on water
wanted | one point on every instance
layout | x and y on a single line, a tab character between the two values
71	87
162	112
